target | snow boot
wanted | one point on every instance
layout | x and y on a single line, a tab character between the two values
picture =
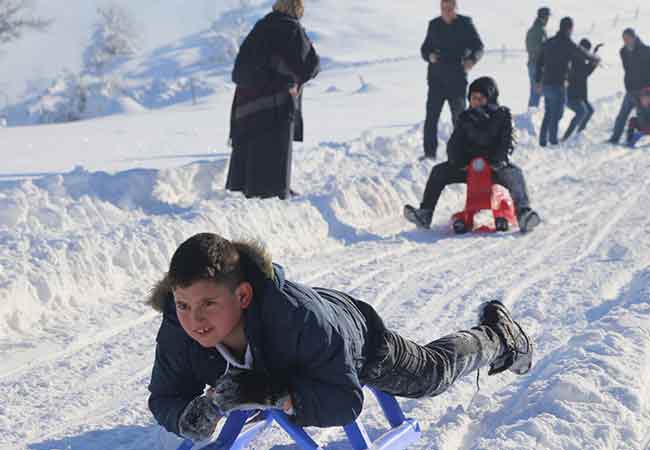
632	138
528	220
420	217
518	354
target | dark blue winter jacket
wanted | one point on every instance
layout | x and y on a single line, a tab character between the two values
313	340
453	44
556	58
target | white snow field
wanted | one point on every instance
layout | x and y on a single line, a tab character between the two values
90	213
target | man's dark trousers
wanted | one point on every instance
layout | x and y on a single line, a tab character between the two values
435	100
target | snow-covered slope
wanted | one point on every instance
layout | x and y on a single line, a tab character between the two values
90	213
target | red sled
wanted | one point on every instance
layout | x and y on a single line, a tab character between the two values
489	207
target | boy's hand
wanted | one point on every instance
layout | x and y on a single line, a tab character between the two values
199	419
247	390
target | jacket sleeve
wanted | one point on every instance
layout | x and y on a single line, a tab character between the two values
298	62
172	384
456	151
325	389
646	66
529	42
580	54
251	66
475	44
591	67
428	46
534	40
505	134
541	62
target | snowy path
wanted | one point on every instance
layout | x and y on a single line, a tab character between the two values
580	284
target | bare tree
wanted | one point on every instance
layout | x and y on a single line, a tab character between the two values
14	20
115	34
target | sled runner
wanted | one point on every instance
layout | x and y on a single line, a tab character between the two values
236	434
488	207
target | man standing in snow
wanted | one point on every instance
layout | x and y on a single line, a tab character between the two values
555	59
636	62
535	39
451	48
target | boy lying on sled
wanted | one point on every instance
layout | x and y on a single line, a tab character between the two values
233	322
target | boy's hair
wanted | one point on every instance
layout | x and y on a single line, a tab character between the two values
294	8
205	256
208	256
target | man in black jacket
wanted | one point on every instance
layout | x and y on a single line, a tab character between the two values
232	321
636	62
577	91
484	130
451	48
557	56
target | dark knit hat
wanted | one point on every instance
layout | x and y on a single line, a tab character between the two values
629	32
486	86
543	13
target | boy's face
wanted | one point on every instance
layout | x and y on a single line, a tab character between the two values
477	100
211	313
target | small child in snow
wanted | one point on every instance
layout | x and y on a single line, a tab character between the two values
232	321
483	130
640	125
577	91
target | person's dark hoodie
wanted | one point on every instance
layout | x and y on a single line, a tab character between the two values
636	62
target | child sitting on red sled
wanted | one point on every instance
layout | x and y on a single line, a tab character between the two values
484	130
640	125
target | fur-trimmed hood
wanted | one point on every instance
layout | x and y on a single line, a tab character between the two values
254	257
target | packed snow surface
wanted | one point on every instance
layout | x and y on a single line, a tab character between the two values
91	211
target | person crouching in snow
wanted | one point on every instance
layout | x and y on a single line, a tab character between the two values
640	123
483	130
234	322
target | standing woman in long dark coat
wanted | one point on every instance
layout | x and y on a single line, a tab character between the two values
274	62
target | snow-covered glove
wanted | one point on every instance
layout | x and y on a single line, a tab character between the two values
199	419
247	390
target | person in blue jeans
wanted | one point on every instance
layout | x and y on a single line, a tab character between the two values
535	38
635	56
640	125
577	92
555	59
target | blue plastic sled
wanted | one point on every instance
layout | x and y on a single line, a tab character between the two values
236	434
